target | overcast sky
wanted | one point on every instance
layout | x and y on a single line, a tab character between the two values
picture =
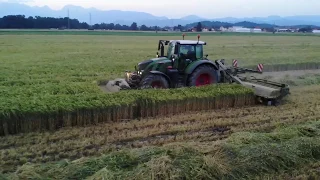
204	8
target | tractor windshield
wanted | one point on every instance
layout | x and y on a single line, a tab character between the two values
191	50
184	49
199	51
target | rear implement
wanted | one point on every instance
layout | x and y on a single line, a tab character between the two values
267	92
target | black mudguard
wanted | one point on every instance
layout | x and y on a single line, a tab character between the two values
195	64
164	75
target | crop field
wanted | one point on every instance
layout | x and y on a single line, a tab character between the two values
51	82
37	70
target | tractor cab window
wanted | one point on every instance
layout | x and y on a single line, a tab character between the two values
188	51
199	51
170	50
184	49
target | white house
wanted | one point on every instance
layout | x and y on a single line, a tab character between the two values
205	30
283	30
316	31
256	30
239	29
223	29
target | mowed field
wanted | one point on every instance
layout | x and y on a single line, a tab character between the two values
42	73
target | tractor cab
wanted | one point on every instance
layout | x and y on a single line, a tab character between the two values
182	52
183	64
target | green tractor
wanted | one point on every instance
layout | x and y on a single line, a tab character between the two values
184	64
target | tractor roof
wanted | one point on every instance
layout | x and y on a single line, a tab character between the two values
189	42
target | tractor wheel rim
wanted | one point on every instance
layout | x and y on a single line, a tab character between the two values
157	84
203	79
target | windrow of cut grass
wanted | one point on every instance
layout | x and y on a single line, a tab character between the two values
30	113
288	67
244	155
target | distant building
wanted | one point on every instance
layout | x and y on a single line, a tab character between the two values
282	30
316	31
223	29
205	29
239	29
256	30
286	30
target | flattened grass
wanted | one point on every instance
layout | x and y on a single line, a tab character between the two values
244	155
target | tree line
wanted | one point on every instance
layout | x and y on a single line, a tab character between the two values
37	22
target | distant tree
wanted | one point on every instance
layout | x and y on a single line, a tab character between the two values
179	27
306	29
144	28
125	27
118	27
20	21
134	26
96	26
199	27
110	26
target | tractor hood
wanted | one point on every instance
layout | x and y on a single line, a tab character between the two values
142	65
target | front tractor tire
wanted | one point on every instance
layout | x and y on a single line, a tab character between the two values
203	75
154	81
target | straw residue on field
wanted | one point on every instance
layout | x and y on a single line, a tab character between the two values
243	155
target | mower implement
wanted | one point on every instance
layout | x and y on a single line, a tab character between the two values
267	92
185	65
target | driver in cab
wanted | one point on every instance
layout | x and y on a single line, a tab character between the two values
187	52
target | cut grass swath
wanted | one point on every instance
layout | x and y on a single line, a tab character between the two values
55	113
289	67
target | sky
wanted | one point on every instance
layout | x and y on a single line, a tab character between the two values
203	8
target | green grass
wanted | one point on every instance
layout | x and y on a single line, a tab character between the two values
305	80
244	155
64	69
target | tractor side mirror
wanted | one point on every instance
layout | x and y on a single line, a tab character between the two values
206	55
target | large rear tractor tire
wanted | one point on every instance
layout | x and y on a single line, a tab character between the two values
203	75
154	81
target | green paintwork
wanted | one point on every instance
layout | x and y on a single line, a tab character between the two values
158	64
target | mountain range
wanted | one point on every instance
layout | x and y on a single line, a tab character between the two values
127	17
